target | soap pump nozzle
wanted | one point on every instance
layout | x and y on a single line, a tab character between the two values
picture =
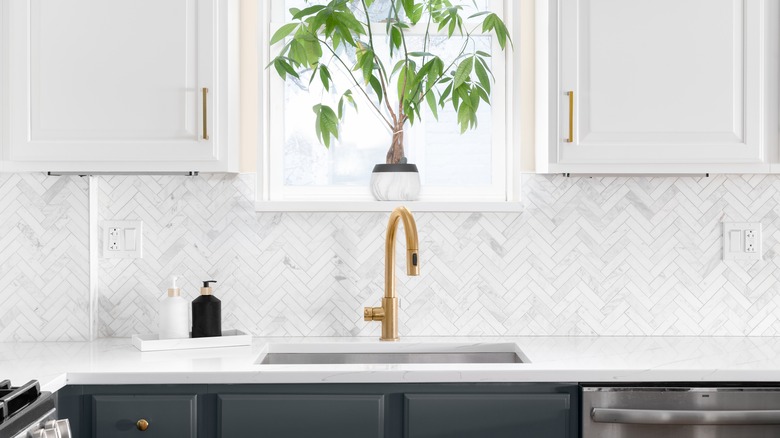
174	291
206	289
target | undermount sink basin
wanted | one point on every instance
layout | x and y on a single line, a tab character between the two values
364	353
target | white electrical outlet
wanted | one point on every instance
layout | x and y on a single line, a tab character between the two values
123	239
741	241
114	243
750	241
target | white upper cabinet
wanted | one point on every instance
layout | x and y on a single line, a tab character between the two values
659	86
139	85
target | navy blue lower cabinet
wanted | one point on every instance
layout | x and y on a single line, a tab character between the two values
365	410
159	416
301	416
487	415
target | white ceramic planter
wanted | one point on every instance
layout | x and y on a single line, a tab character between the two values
395	182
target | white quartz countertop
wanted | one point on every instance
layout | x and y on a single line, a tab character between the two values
552	359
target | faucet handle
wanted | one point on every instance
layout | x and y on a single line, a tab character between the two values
373	314
412	263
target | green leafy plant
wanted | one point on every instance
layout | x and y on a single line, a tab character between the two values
340	32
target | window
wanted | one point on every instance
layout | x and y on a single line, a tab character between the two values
295	168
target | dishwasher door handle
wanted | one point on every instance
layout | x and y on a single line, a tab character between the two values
690	417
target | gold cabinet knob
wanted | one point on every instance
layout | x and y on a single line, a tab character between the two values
142	424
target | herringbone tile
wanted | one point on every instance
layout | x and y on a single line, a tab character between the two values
44	258
587	256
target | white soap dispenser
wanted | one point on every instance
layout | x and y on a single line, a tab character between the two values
174	315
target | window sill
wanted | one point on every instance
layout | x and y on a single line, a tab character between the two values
387	206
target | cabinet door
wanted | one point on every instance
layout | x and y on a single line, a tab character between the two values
112	80
661	81
301	416
487	415
167	415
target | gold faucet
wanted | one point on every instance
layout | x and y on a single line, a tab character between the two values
388	312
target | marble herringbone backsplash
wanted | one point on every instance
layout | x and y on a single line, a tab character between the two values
44	258
588	256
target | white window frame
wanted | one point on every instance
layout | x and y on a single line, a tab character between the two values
272	195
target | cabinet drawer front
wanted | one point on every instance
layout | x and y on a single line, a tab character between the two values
167	415
301	416
487	415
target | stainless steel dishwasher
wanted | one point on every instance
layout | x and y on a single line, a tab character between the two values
680	412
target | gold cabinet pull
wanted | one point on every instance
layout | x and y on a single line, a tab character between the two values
571	117
142	425
205	114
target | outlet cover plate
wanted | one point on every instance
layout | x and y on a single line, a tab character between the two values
742	241
123	239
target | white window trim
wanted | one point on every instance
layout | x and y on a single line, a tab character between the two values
268	197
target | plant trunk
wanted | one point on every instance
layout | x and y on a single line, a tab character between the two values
396	152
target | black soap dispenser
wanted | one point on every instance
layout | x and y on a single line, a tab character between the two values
206	313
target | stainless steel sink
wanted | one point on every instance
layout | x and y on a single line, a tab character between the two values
336	354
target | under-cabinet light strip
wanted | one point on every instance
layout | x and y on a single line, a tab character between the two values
178	173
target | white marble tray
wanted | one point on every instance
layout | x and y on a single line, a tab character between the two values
229	338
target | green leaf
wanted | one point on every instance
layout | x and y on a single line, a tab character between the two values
350	99
486	67
408	6
423	72
482	75
337	41
348	21
443	23
365	61
493	23
315	22
311	10
325	77
297	53
327	124
415	13
312	48
377	87
474	97
483	94
453	20
397	67
421	54
396	39
455	100
436	71
463	72
467	117
431	99
479	14
314	73
283	31
283	68
445	94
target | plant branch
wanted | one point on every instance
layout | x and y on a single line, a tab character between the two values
387	101
427	37
357	83
368	25
401	114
